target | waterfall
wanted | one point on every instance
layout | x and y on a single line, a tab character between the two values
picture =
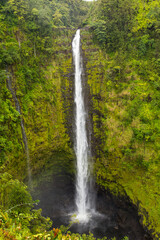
24	137
82	199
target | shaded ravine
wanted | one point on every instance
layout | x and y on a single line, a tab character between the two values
24	136
119	218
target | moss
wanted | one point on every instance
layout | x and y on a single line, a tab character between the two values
124	121
43	105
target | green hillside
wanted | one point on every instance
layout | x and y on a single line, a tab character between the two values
121	53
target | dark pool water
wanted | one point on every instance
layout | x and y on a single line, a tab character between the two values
115	218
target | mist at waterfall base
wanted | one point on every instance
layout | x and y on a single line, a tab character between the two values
56	193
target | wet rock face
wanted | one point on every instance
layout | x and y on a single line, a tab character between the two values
115	217
123	216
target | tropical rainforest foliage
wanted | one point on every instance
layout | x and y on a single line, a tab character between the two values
34	38
122	57
29	39
126	93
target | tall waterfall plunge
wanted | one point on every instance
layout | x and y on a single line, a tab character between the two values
83	200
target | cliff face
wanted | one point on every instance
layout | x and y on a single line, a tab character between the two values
124	123
44	103
35	63
46	124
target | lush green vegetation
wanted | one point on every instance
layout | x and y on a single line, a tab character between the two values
33	40
122	54
124	77
19	221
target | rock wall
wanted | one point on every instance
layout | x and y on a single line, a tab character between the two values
119	155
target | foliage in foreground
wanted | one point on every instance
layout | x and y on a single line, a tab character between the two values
19	220
12	229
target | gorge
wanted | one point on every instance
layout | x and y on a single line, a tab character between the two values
114	217
117	192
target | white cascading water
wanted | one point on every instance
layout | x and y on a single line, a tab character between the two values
81	145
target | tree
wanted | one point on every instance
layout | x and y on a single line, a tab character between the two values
117	17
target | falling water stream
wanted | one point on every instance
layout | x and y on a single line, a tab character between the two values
82	199
24	136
